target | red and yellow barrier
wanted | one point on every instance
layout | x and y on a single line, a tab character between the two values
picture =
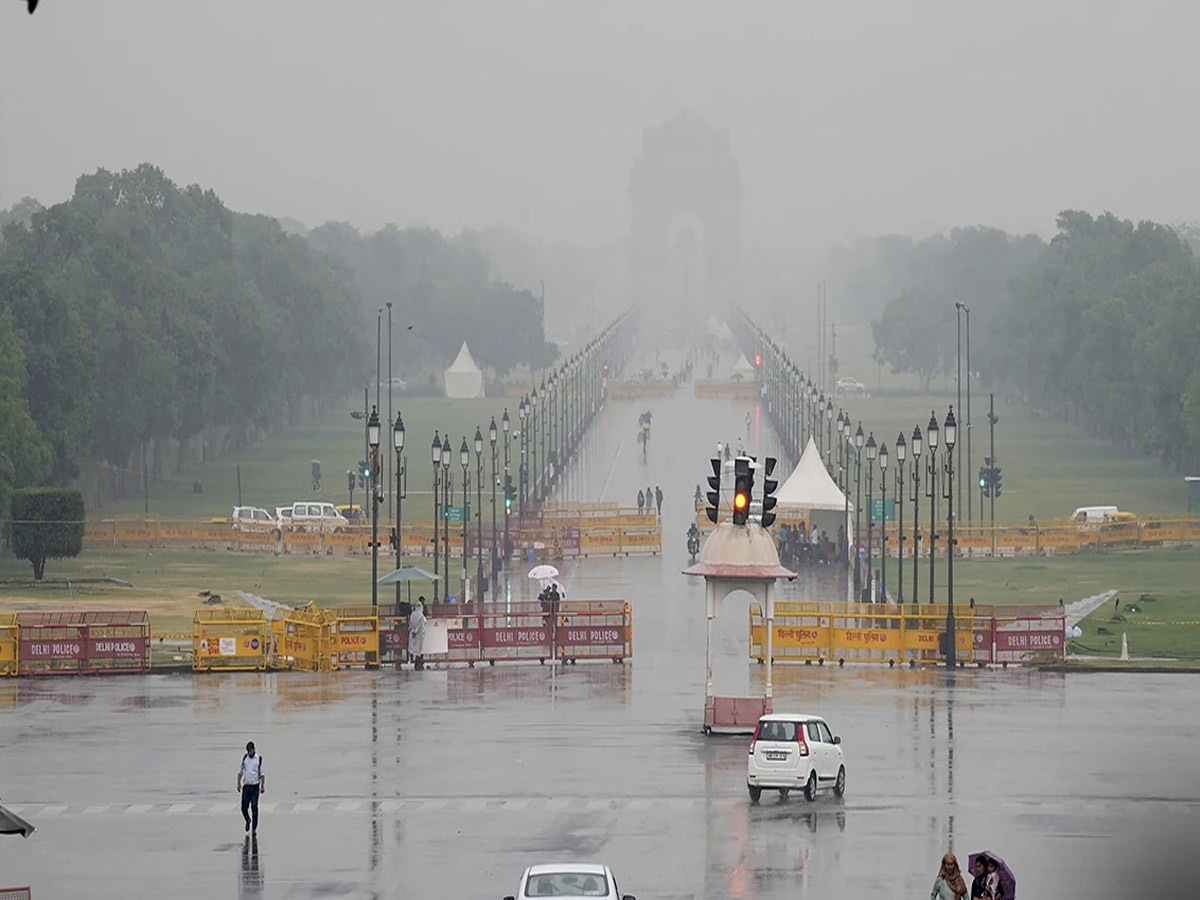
8	644
230	639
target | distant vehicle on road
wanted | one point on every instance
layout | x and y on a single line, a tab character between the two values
795	750
252	518
312	515
574	881
849	387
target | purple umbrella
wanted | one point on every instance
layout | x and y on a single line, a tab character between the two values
1008	881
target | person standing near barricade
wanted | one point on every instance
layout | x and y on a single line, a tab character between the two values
658	498
416	635
251	783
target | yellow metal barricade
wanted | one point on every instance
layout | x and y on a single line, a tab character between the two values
230	639
8	644
641	541
357	636
859	632
305	640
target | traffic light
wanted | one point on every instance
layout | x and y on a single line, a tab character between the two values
770	485
743	486
510	494
985	481
364	472
757	360
996	481
714	491
350	481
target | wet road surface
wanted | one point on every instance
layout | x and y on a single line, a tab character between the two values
390	784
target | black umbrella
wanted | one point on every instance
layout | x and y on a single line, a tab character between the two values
11	823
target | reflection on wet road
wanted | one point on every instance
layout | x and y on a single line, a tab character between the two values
382	783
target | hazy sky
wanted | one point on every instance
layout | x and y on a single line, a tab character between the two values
846	118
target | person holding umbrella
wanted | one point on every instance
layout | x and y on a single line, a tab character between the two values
999	880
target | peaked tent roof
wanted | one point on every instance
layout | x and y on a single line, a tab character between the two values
743	365
464	362
809	486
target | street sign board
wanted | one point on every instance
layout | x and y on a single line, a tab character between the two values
456	515
881	512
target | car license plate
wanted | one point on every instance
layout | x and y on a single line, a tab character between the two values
777	756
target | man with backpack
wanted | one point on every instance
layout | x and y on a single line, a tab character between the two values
251	782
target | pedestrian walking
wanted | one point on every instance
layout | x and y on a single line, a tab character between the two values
949	884
658	497
641	502
252	783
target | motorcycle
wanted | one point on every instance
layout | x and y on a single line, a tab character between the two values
693	545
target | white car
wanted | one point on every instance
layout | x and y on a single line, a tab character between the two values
252	518
572	880
849	387
795	750
312	515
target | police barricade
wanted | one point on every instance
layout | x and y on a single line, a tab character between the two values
641	541
629	390
305	640
261	541
176	535
741	390
1019	635
230	640
593	629
100	534
600	542
82	642
1118	536
356	636
8	643
857	632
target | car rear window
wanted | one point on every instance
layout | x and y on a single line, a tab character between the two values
570	884
777	731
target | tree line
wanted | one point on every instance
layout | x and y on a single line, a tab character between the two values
143	315
1099	325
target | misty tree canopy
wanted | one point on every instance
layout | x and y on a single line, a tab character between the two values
1101	325
142	312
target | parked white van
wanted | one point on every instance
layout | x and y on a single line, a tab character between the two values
314	515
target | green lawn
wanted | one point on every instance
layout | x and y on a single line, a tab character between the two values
277	471
167	583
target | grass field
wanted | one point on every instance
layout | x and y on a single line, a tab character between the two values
167	583
277	472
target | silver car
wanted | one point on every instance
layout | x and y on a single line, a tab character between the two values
570	880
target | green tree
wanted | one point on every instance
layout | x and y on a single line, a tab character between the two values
24	454
47	523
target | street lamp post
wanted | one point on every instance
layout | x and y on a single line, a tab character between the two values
479	511
872	451
373	445
931	438
533	418
901	455
506	426
883	464
951	434
917	442
448	498
495	560
522	476
829	428
843	483
859	440
540	479
436	452
401	475
464	458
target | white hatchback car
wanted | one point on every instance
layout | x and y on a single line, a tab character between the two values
571	880
795	750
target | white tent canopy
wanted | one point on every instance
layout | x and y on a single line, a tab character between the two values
464	379
810	494
742	367
809	486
